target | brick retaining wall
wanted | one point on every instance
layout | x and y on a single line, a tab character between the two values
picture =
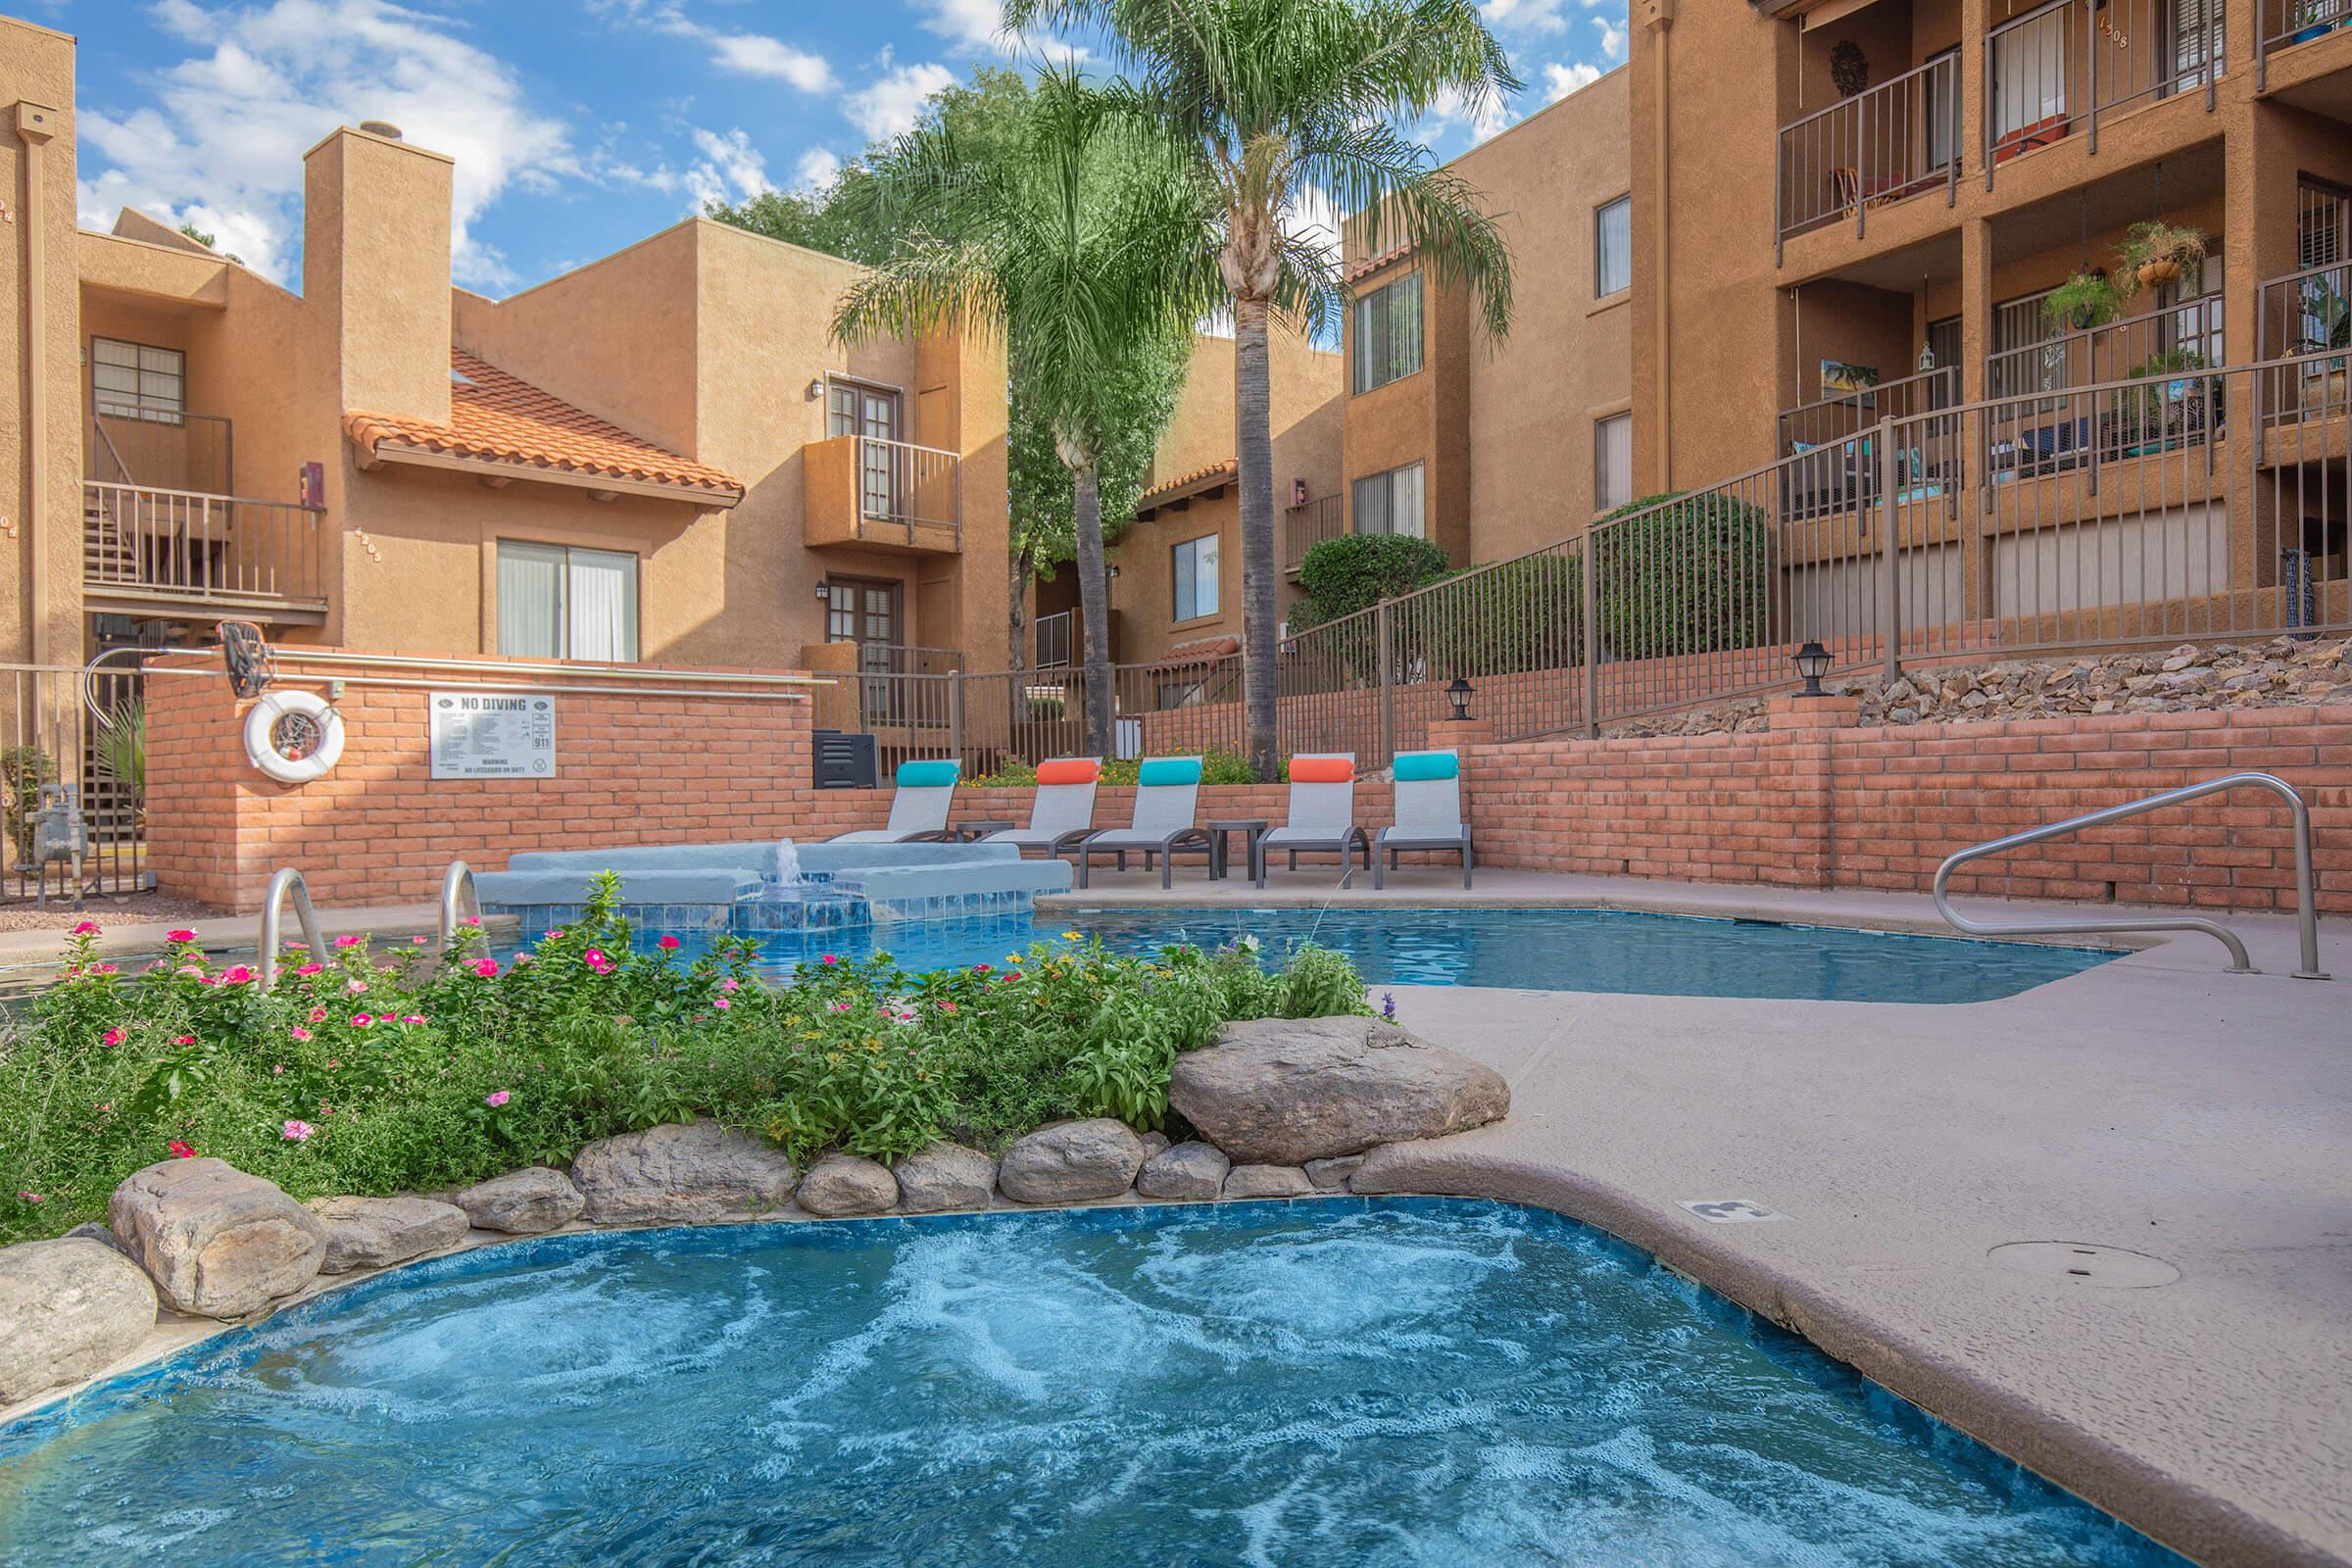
1811	803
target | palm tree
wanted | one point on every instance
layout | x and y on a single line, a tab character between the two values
1084	242
1282	99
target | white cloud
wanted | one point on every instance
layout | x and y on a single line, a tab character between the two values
732	161
817	169
1612	36
223	143
1525	15
970	28
747	54
1559	80
1451	110
892	104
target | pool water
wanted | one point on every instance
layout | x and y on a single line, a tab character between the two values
1534	950
1350	1382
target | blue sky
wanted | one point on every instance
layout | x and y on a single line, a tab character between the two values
579	126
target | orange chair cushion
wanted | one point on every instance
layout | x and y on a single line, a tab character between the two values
1069	771
1321	770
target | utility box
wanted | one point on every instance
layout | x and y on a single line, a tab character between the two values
847	760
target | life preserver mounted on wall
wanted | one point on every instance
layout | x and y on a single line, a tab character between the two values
293	736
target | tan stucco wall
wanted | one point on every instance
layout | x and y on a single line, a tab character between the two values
40	527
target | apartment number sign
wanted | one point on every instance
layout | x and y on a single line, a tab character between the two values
492	735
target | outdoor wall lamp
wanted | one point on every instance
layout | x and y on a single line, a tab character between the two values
817	389
1457	692
824	593
1812	663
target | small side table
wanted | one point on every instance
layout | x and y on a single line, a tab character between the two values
973	832
1251	829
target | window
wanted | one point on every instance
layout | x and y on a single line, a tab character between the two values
1391	502
1613	248
1194	570
1612	462
557	603
137	382
1388	333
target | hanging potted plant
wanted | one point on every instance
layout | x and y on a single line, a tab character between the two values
2154	254
2081	303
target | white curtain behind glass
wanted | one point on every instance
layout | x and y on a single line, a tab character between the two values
531	600
604	606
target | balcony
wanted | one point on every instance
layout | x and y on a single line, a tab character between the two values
1896	140
1305	527
2302	315
891	497
148	551
2280	25
2054	72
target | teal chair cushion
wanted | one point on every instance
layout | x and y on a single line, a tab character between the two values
1169	770
1416	767
929	775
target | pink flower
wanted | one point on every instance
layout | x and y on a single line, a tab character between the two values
179	936
299	1033
113	1037
979	968
667	944
103	968
839	1007
180	1151
357	988
496	1098
594	955
722	1003
832	958
472	919
361	1020
309	968
279	1071
183	1040
946	1005
487	968
237	976
415	942
87	928
730	984
550	936
296	1131
190	970
347	941
413	1017
33	1197
317	1015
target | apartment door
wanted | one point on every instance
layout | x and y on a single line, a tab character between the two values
1939	89
853	408
1944	342
867	612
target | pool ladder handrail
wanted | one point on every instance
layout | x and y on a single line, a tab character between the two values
287	880
2306	912
457	881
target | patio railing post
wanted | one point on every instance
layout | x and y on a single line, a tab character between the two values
1592	638
1384	638
955	716
1889	558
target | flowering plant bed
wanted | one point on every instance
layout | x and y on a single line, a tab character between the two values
371	1072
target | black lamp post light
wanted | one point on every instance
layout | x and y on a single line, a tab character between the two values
1812	663
1457	692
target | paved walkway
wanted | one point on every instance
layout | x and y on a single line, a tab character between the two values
2152	1104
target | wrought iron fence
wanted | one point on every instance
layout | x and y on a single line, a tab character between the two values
49	737
1305	527
2183	503
1896	140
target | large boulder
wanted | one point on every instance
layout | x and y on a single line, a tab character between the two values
522	1203
683	1173
217	1241
845	1184
1267	1181
69	1310
1284	1090
945	1176
379	1232
1072	1163
1194	1170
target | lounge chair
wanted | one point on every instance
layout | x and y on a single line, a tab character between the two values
1429	812
1167	790
1322	815
918	806
1063	812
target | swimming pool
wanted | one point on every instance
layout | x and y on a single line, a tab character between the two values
1362	1382
1534	950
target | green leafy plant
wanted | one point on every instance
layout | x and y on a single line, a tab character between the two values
2082	301
1355	572
1682	574
2153	252
23	769
122	750
376	1071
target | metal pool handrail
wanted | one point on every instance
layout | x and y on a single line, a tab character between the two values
2306	914
456	881
287	880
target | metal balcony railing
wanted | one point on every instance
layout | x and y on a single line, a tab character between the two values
1305	527
2052	74
1894	141
188	547
2288	24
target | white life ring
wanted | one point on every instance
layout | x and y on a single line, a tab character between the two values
265	747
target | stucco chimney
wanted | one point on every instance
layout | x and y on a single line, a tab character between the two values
376	250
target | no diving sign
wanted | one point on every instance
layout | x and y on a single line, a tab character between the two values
492	735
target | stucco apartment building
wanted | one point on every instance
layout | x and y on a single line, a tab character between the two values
659	455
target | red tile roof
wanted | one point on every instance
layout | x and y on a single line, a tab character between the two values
1198	651
1219	472
1374	263
498	417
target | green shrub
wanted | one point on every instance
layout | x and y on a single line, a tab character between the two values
1219	764
1692	576
375	1073
1355	572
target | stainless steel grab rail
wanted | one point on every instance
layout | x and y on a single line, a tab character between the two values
2306	912
287	880
458	878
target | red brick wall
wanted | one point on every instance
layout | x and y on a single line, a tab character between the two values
1807	804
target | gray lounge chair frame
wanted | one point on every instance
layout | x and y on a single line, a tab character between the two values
1060	819
1164	821
918	814
1321	818
1429	816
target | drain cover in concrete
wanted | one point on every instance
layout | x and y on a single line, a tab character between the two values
1728	1210
2079	1263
